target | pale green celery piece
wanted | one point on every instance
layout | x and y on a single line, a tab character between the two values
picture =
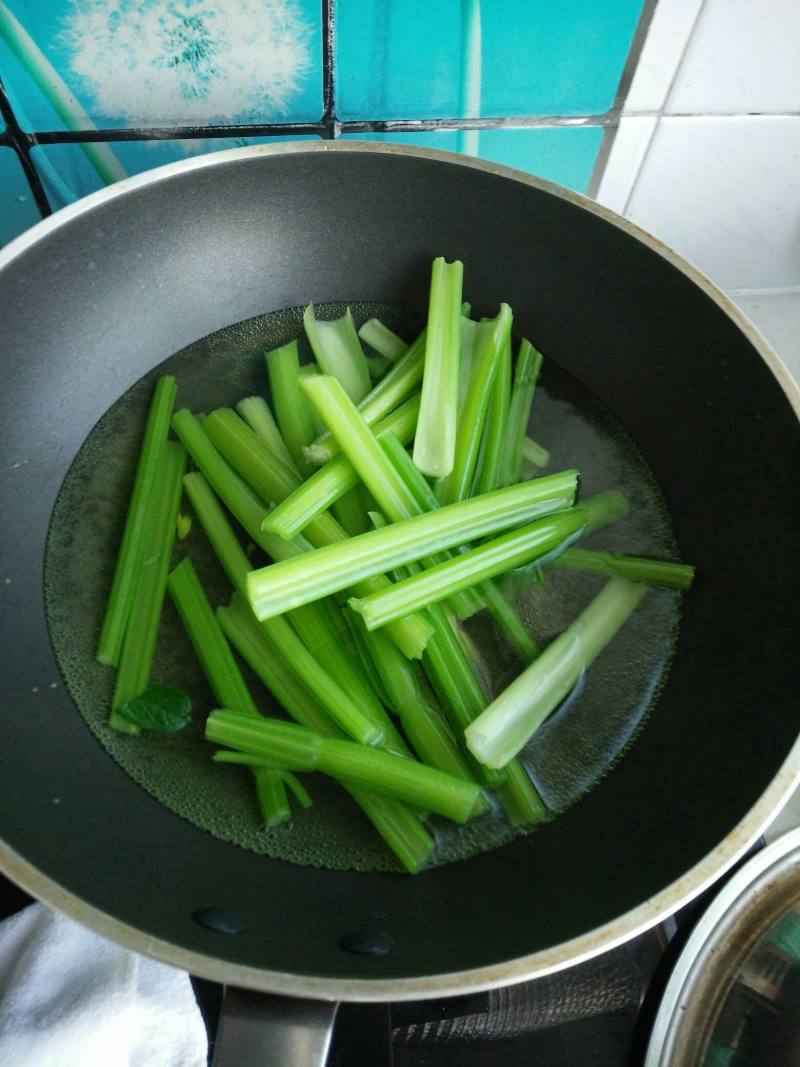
509	722
319	625
335	478
257	414
469	331
296	787
398	385
526	374
490	339
349	511
338	351
520	798
634	568
139	643
291	407
286	745
435	443
495	427
129	560
283	586
397	825
319	426
534	453
378	367
61	97
273	479
383	340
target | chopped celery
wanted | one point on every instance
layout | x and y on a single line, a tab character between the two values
524	544
285	585
129	560
490	340
271	794
512	718
526	374
316	421
383	340
291	408
395	387
534	453
496	426
434	445
294	747
138	646
634	568
338	351
256	413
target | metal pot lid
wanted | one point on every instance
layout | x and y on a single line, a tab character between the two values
734	996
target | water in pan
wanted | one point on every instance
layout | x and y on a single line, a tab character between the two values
571	753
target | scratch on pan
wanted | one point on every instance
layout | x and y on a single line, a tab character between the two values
147	61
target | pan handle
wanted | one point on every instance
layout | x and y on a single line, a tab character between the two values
261	1030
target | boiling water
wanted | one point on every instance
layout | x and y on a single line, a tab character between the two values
575	749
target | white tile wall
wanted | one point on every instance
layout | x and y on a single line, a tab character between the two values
707	154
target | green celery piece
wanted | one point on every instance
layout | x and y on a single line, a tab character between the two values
469	332
297	748
394	388
526	374
223	674
634	568
490	340
139	644
434	445
129	560
285	585
257	414
350	513
223	429
496	426
383	340
208	640
291	409
513	717
335	478
338	351
316	422
536	541
296	787
520	798
398	825
534	453
377	366
356	707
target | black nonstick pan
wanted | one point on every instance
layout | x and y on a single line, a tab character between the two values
92	299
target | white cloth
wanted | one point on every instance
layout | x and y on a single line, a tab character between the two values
69	998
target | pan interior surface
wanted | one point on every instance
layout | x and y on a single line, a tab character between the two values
571	753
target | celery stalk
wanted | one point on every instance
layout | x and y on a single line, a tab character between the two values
139	644
534	453
496	426
256	413
383	340
129	560
513	717
526	374
291	409
434	445
634	568
338	351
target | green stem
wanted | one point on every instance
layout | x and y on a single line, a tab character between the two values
434	445
291	407
271	795
634	568
395	387
496	426
510	721
256	413
129	560
383	340
282	586
338	351
296	748
490	341
534	453
296	787
139	644
526	374
55	89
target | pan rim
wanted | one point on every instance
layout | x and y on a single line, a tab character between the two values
624	927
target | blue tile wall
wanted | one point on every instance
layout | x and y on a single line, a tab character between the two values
402	58
562	154
171	62
17	208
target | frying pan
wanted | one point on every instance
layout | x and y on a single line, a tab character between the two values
94	297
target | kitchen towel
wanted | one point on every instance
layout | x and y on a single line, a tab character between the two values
69	998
